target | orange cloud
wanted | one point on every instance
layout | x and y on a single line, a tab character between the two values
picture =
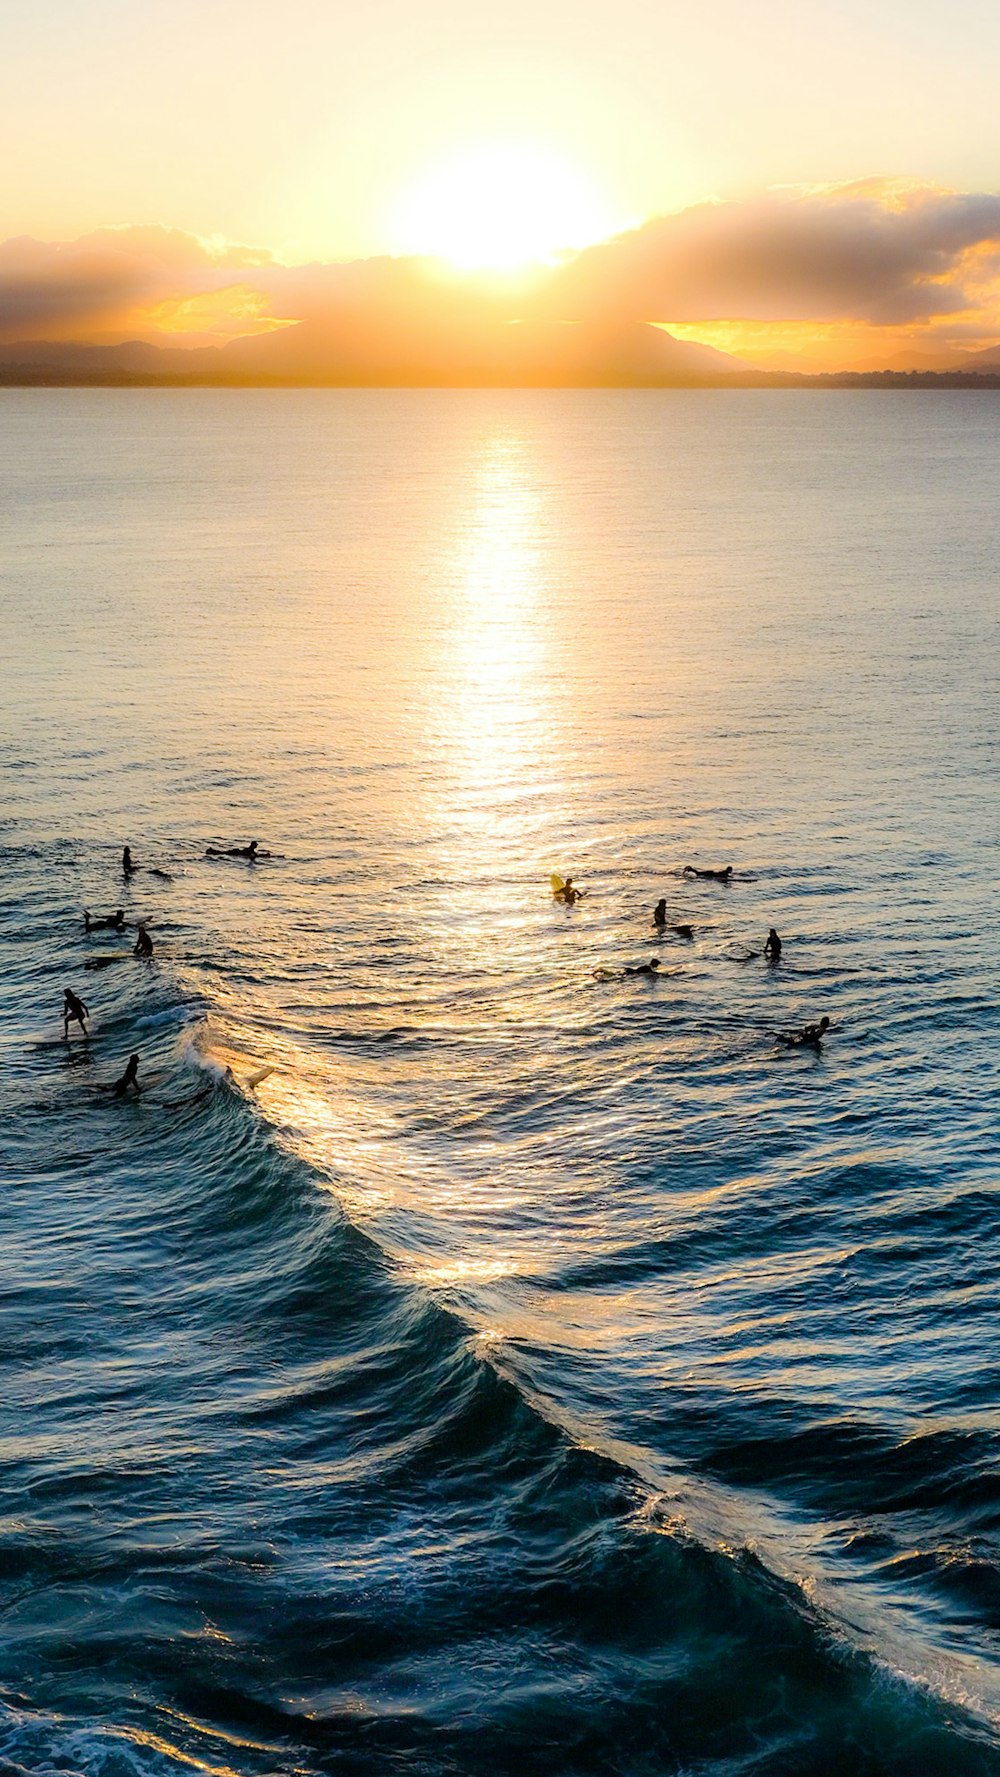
850	276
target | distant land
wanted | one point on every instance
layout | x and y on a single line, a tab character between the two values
519	355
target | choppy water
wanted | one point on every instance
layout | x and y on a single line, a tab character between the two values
538	1373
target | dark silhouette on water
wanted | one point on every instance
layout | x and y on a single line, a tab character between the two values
128	1079
74	1011
112	922
809	1037
660	922
143	945
127	865
772	948
710	875
251	852
651	968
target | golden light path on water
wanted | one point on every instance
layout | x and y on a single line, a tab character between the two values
432	648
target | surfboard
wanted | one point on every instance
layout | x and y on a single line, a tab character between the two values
259	1074
557	884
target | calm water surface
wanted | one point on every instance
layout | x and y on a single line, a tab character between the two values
537	1372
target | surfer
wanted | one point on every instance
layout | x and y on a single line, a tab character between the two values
113	922
74	1011
772	949
127	865
143	945
710	875
651	968
809	1037
128	1079
660	922
567	893
250	852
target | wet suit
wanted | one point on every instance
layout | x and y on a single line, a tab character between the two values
809	1037
128	1079
112	923
74	1011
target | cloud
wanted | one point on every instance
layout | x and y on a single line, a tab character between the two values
108	281
876	255
880	252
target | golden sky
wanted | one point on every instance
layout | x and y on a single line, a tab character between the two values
741	154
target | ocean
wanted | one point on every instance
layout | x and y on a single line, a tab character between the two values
541	1368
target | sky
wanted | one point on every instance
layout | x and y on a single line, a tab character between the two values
332	132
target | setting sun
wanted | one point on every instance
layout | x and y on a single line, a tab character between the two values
500	206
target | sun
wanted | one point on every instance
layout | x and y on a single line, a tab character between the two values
500	206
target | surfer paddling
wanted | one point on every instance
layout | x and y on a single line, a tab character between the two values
809	1037
650	969
112	922
74	1012
725	875
251	852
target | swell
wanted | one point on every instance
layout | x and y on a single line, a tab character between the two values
272	1505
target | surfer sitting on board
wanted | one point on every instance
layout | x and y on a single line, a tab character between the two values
809	1037
710	875
128	1079
114	922
143	945
660	921
74	1011
772	949
127	864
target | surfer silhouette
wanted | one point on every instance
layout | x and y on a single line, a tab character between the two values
74	1011
809	1037
250	852
128	1079
710	875
772	948
649	968
113	922
660	922
143	945
127	865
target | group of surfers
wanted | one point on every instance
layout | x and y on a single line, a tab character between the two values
75	1010
808	1036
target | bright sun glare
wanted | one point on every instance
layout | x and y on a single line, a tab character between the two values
499	207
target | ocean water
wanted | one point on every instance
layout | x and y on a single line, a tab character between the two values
541	1369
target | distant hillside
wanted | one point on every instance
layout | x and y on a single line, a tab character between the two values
545	353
